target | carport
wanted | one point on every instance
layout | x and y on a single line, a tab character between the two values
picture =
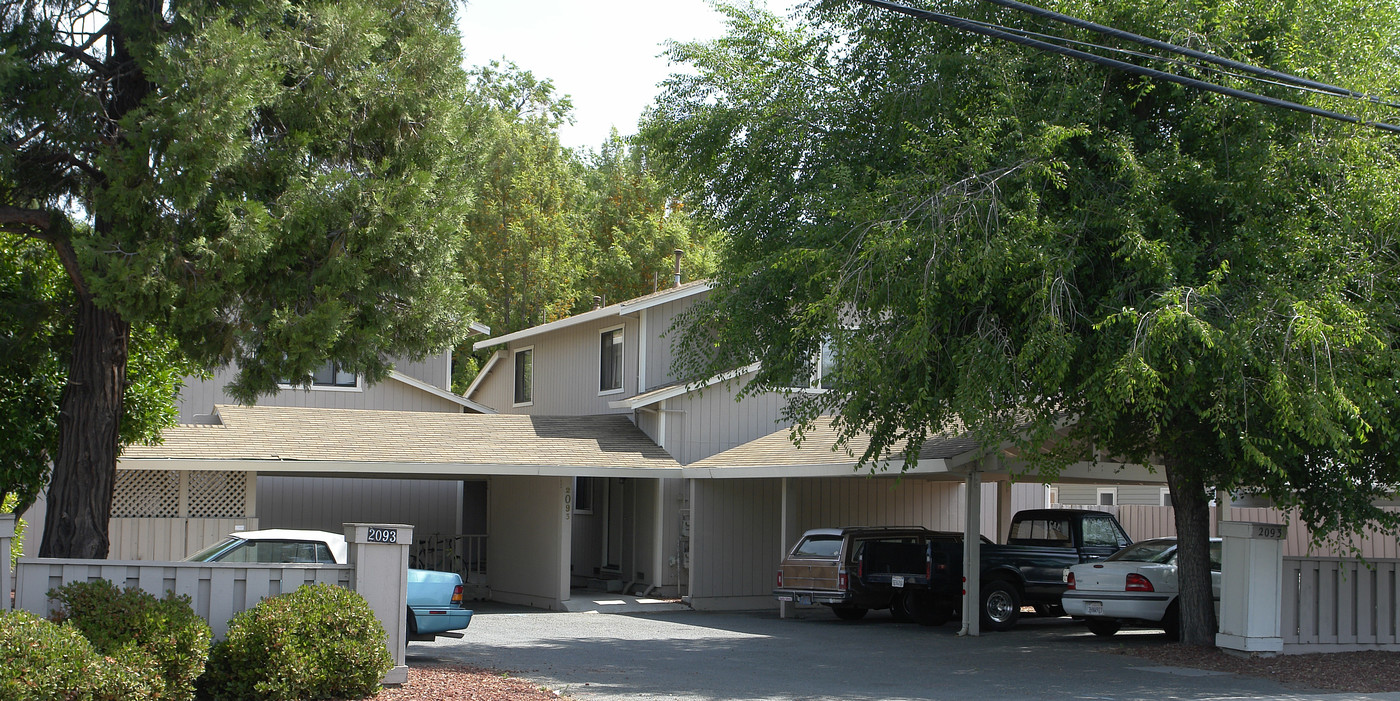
813	485
529	462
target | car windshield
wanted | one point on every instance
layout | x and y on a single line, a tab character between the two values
818	546
1158	551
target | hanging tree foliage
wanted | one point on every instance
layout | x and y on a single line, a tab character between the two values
1016	240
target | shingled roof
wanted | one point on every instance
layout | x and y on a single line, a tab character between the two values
353	440
775	455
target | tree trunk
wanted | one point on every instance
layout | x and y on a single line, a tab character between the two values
80	494
1191	507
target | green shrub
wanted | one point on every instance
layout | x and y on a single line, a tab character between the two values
42	660
147	635
317	642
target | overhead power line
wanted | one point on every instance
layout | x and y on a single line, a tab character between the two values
1004	34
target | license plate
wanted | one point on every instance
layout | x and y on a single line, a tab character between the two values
1093	608
896	581
804	599
785	598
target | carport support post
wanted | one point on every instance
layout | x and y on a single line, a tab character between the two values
7	539
972	555
379	559
783	543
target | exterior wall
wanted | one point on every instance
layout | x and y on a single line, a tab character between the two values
658	343
530	519
435	370
198	397
738	534
1088	494
565	373
325	503
710	422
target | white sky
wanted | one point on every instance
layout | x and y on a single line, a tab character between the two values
605	55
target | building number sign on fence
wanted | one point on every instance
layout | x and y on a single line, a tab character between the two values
382	535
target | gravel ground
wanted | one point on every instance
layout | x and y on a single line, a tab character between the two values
1354	672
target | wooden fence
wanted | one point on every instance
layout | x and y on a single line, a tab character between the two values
1335	604
217	590
169	538
1143	522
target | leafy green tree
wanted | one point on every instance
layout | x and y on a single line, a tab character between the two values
36	305
525	246
1021	242
267	184
636	223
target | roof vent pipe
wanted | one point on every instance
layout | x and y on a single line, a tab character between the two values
597	302
678	267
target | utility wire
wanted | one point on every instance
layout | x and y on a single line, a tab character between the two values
1004	35
1164	59
1184	51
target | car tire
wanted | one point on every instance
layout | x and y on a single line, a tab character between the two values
411	622
1171	622
902	606
930	611
1104	627
849	613
1001	605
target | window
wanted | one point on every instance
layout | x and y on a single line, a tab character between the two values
610	361
1048	532
330	376
1101	531
1052	495
1108	496
583	495
818	546
524	376
1166	497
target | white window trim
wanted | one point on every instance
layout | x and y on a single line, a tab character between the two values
515	358
1163	494
1052	495
1098	496
622	374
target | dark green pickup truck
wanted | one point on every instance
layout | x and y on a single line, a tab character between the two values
926	578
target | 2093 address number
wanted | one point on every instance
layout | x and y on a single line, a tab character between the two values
383	535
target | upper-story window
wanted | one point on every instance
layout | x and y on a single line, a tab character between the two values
524	376
610	361
331	376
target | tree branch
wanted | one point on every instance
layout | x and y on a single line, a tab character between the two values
50	227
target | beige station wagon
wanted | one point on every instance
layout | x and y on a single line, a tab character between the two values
821	569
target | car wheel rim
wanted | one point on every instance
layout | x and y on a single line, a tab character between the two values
999	607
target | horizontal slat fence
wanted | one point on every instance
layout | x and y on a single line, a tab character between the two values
217	591
1335	604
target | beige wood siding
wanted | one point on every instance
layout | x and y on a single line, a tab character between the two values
659	337
566	367
529	532
435	370
327	503
737	529
198	397
1128	494
703	424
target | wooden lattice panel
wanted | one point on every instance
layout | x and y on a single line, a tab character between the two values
146	494
218	494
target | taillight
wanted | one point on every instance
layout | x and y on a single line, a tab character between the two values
457	595
1137	582
1070	580
780	579
860	569
841	580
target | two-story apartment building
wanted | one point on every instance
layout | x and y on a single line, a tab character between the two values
576	456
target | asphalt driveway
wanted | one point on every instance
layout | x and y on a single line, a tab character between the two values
700	656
